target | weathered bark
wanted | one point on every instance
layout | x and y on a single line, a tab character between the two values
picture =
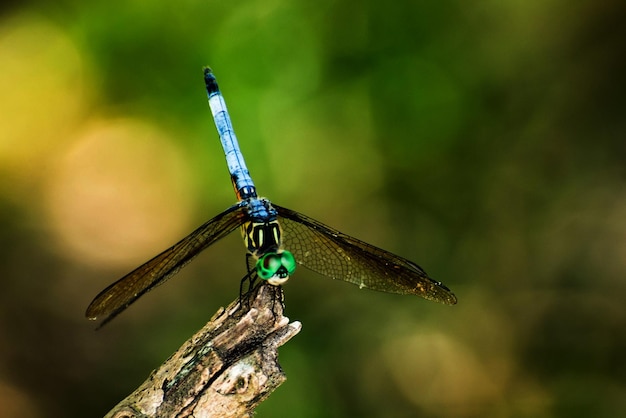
225	370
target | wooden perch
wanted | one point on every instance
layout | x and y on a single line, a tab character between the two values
225	370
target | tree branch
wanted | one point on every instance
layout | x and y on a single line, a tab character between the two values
225	370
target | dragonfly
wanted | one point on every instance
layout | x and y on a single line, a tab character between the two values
277	239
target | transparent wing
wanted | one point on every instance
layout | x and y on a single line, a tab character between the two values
118	296
339	256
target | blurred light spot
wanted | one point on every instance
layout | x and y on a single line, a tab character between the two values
119	194
422	124
338	141
440	375
14	403
41	80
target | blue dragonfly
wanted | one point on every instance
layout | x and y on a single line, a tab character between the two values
276	239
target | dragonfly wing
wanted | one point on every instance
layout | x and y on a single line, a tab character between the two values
339	256
118	296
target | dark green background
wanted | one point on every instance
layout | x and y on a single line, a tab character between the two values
483	140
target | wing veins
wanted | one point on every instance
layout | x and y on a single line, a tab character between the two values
119	295
375	268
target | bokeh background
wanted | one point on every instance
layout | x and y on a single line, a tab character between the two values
483	140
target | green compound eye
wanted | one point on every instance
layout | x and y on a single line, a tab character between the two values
273	265
268	265
288	261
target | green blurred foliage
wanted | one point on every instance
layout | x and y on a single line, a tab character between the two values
485	141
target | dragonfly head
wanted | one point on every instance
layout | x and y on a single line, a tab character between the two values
276	267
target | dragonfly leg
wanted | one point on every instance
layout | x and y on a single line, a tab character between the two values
246	292
277	297
250	277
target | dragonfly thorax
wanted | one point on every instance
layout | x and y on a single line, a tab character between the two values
263	241
261	238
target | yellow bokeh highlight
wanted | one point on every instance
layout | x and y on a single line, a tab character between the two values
112	190
17	403
119	194
42	80
449	376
